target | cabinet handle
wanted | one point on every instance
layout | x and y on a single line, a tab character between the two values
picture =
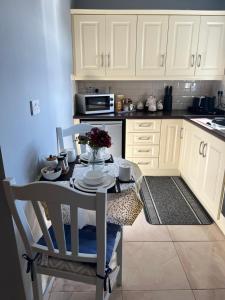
181	133
204	151
145	124
108	59
144	138
200	148
102	60
144	151
199	60
143	163
192	60
162	60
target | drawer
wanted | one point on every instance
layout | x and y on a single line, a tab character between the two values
145	125
133	138
145	163
142	151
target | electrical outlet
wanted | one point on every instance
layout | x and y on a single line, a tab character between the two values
35	107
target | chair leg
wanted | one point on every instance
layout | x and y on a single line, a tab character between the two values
37	287
120	260
99	289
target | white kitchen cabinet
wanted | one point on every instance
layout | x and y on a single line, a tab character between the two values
151	45
170	144
182	45
211	47
213	173
120	45
89	45
203	166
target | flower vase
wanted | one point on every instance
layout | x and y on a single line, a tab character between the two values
95	158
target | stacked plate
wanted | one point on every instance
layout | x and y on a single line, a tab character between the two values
93	180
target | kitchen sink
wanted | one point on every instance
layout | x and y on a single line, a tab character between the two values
216	123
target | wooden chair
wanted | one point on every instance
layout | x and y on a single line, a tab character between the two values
72	131
63	262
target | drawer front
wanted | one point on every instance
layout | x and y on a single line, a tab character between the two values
142	151
145	125
142	138
145	163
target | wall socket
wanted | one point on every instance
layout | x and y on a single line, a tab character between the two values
35	107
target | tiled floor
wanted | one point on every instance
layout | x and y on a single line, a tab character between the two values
163	263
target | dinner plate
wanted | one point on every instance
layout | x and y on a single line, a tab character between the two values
85	157
108	183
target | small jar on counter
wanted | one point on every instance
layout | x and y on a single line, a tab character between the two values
119	102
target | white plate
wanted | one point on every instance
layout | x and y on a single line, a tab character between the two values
85	156
108	183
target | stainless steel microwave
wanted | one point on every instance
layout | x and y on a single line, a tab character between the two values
95	103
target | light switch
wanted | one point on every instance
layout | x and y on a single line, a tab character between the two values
35	107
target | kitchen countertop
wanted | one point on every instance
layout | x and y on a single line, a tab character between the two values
175	114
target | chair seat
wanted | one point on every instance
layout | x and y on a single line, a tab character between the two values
87	239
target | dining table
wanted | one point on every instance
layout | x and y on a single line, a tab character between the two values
126	195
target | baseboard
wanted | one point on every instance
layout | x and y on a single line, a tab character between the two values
161	172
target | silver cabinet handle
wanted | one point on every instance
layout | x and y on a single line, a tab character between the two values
144	151
102	60
144	124
181	133
192	60
144	138
204	151
200	148
143	163
199	60
162	60
108	56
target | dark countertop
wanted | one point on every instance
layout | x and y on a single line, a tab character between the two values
175	114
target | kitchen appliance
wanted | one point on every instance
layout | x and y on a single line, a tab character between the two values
95	103
168	99
115	130
203	105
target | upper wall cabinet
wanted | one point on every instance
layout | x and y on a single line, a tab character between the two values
120	45
156	46
104	45
182	45
211	48
89	45
151	45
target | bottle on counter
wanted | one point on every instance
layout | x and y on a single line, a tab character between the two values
119	103
168	99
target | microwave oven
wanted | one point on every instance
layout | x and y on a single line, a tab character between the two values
95	103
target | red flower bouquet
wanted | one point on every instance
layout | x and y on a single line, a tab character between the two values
96	138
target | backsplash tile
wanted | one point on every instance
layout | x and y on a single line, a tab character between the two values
183	91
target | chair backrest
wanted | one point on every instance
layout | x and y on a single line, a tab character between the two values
73	131
55	195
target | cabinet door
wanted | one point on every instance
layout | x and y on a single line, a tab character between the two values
182	45
151	45
170	144
89	45
120	45
213	174
195	166
211	48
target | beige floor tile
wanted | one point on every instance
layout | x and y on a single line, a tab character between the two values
141	231
152	266
81	296
195	233
204	263
63	285
159	295
209	294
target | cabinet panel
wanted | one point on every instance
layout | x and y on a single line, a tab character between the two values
151	45
182	45
142	151
89	45
120	45
211	48
142	138
143	125
145	164
170	144
213	173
